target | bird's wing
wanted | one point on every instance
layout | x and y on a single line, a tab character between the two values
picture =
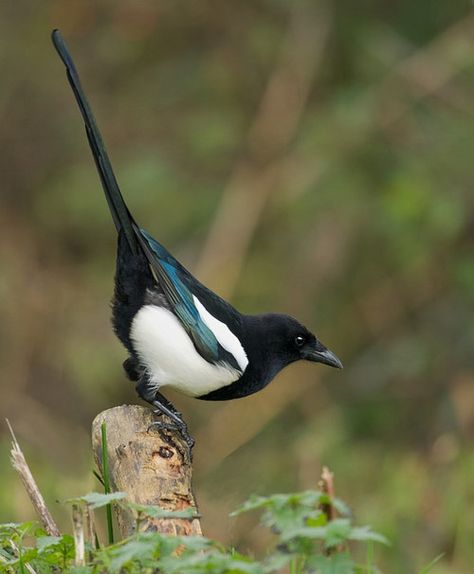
173	280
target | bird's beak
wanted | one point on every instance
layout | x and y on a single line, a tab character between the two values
322	355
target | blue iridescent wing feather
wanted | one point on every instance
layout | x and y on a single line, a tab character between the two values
169	273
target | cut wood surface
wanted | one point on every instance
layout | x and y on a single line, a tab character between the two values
152	466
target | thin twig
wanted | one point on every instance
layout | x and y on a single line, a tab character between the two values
90	529
21	466
426	72
326	485
279	114
78	533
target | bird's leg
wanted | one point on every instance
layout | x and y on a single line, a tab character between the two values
164	402
175	416
164	407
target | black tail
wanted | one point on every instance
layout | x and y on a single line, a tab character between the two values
121	216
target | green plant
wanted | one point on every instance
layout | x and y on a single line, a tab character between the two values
306	541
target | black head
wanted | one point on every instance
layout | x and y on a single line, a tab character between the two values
272	342
293	342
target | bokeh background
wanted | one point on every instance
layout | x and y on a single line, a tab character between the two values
310	157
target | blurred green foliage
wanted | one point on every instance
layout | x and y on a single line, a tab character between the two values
309	157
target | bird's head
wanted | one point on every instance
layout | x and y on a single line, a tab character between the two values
292	340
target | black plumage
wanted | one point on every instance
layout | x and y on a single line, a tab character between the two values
177	332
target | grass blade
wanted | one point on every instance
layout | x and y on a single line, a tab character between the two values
106	478
429	566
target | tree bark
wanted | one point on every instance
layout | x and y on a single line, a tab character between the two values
151	465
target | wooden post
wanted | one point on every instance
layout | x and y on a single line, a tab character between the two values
152	466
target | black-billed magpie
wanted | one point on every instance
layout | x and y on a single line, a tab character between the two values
178	333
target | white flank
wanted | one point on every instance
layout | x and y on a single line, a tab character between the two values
223	334
170	357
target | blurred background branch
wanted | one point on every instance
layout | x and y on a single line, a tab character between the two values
259	173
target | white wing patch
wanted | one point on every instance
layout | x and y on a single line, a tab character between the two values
223	334
170	357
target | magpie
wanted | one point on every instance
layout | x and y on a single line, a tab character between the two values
178	333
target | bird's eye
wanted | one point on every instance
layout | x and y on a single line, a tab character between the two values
299	341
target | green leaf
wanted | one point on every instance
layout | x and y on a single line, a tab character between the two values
18	528
312	533
46	542
190	544
57	551
62	543
133	550
97	499
277	562
212	561
319	520
341	507
340	563
308	498
26	556
334	533
337	532
253	503
364	534
285	513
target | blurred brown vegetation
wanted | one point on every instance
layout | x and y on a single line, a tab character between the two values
309	157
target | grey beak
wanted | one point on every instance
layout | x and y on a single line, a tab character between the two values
324	356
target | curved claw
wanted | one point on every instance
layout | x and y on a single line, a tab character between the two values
163	426
173	427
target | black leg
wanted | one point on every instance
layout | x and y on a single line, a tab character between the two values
168	404
164	407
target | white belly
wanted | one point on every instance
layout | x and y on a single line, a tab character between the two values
170	357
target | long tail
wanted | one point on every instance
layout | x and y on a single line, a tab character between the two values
120	213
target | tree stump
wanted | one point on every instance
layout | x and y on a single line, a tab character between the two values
151	465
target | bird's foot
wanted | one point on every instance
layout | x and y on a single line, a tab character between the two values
164	408
161	425
174	426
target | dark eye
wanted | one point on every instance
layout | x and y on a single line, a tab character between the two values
299	340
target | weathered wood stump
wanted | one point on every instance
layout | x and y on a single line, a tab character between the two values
152	466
